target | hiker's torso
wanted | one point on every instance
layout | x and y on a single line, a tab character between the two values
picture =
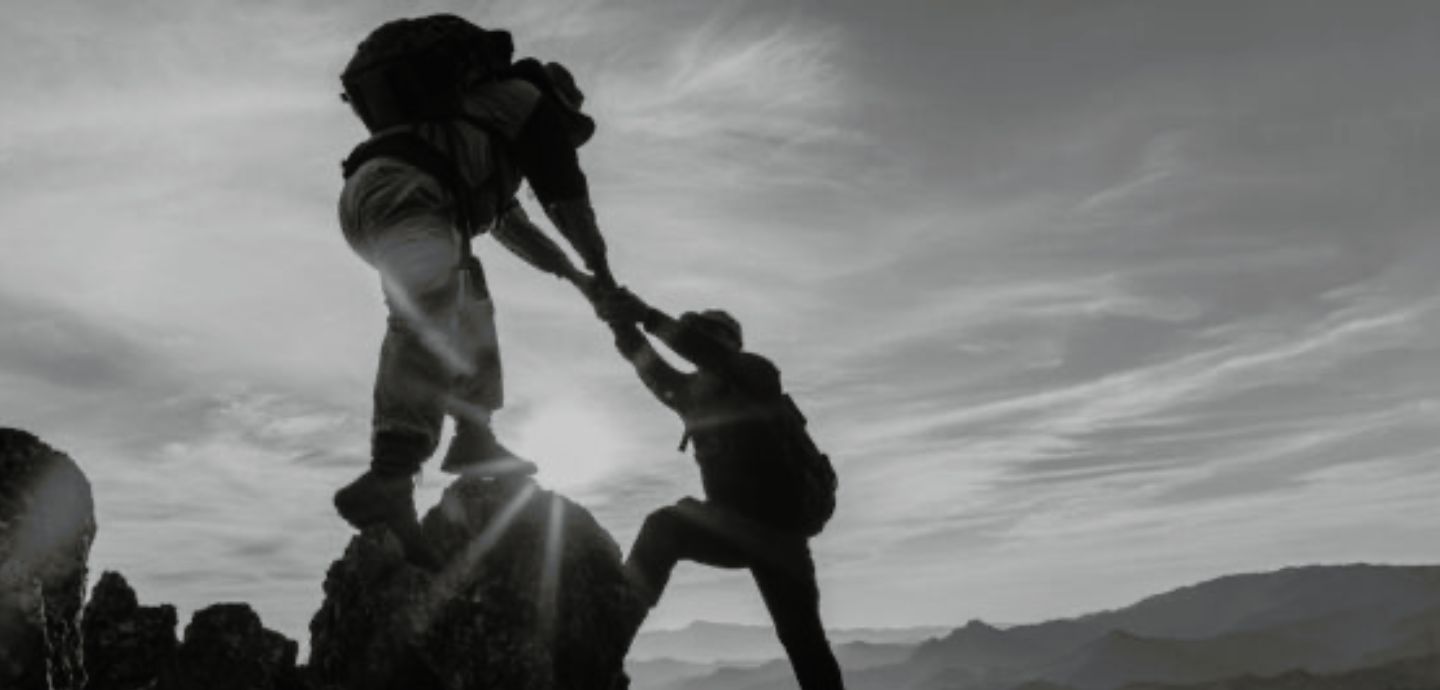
729	421
476	145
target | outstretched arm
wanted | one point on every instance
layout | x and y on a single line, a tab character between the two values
701	350
524	239
668	384
548	160
622	309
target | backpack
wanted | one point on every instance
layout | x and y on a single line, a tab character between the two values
412	70
806	469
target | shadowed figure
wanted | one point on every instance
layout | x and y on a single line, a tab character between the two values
456	129
755	515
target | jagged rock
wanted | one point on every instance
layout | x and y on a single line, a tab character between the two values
533	597
47	523
227	648
133	647
126	644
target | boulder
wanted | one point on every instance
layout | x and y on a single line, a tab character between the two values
126	645
134	647
227	648
533	596
47	523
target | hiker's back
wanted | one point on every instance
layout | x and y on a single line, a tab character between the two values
736	442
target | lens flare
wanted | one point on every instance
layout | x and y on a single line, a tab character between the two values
573	441
550	575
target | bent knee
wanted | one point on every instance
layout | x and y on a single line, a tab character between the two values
666	521
421	272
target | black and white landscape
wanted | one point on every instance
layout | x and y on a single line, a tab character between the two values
1380	624
1087	301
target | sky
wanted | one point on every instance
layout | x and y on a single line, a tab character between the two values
1087	301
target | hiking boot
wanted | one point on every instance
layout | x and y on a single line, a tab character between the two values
389	500
475	452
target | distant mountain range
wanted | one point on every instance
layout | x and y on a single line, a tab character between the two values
705	642
1321	625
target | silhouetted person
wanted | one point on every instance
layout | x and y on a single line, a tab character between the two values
749	518
456	128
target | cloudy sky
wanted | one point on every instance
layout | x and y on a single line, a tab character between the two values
1087	300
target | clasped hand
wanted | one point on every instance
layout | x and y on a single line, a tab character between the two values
613	303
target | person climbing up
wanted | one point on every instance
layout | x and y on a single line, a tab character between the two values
768	489
456	127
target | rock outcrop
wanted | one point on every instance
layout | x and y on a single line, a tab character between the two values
126	645
134	647
533	597
227	648
47	523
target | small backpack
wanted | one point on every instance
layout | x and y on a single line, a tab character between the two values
806	476
804	473
808	470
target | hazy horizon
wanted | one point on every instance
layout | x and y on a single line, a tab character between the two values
1087	301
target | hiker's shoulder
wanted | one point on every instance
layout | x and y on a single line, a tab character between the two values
757	361
758	370
503	105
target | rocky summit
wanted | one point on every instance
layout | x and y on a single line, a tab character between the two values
126	645
532	597
47	523
133	647
227	648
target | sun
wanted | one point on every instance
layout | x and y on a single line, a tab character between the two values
574	442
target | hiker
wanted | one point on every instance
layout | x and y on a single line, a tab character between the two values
767	488
456	127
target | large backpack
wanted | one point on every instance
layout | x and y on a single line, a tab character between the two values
807	470
412	70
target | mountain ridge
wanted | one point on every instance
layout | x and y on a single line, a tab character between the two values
1313	619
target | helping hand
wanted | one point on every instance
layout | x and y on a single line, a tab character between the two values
620	305
588	285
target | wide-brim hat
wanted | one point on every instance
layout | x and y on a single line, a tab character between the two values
717	325
565	92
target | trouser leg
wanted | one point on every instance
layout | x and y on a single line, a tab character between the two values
440	354
475	389
669	535
793	599
672	534
407	403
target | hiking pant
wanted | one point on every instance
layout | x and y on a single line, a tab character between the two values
781	565
440	355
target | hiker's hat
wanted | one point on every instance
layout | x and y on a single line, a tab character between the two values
556	81
569	96
715	324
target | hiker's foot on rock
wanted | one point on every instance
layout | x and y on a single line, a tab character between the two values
375	499
417	548
389	500
475	452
